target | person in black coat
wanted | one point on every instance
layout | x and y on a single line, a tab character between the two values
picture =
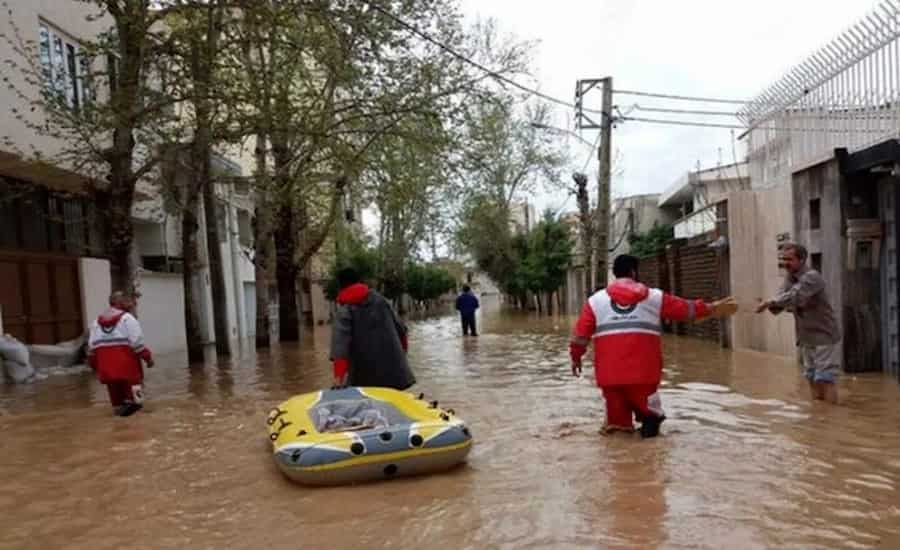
368	340
466	304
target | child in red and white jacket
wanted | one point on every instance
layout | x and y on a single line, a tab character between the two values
115	351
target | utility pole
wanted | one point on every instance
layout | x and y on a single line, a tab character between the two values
604	184
604	155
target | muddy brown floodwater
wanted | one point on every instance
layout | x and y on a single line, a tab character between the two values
745	460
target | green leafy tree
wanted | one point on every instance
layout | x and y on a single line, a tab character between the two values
651	243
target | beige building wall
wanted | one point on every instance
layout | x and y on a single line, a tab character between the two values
755	220
161	312
634	214
68	18
96	287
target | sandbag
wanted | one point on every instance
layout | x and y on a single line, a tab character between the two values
63	354
20	373
13	350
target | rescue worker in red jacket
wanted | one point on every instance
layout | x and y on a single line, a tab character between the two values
624	321
115	351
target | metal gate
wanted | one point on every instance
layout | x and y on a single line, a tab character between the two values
41	297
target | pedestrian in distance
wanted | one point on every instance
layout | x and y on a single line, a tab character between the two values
467	304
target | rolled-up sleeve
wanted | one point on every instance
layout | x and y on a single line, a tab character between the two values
798	294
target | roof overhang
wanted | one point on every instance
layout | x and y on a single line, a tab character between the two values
42	174
884	154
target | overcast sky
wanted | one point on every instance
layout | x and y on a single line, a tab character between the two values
710	48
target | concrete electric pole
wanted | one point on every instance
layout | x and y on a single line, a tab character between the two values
604	155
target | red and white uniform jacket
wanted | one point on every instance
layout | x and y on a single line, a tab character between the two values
116	347
624	321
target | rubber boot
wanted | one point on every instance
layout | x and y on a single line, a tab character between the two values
650	426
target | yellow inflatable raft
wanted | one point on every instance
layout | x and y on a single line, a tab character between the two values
361	433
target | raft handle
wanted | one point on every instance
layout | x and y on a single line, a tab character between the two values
421	396
451	411
433	404
301	433
278	412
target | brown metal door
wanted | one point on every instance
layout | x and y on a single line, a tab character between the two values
12	298
41	297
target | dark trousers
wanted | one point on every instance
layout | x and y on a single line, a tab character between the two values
119	393
468	323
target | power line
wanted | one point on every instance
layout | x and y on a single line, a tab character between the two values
734	127
463	58
682	123
497	76
681	97
685	111
532	91
591	153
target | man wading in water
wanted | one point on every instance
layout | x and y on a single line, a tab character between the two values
818	336
624	321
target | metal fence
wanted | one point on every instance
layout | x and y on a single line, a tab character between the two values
846	94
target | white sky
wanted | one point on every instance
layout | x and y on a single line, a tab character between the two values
710	48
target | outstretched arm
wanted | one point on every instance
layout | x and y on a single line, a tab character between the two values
675	308
792	296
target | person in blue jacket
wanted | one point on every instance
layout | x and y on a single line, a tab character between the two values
466	304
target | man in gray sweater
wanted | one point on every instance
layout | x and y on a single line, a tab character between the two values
818	333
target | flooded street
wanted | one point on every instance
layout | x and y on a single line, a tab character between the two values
745	460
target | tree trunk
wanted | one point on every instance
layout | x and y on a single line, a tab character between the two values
203	54
262	242
586	230
189	251
126	100
120	234
286	272
214	259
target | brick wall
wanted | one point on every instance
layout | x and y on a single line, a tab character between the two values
689	269
700	279
653	271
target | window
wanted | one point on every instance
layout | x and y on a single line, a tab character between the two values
64	67
245	229
816	260
221	221
39	220
815	214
